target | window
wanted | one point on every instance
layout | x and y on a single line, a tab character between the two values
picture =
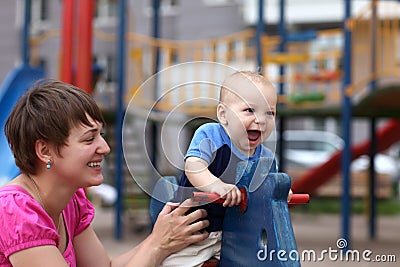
105	10
167	8
39	16
220	2
39	10
108	64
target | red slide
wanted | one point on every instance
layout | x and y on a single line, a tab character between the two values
310	181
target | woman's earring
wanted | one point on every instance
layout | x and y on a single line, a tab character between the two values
48	166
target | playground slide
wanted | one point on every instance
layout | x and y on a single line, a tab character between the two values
12	88
310	181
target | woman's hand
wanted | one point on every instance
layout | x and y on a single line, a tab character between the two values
174	230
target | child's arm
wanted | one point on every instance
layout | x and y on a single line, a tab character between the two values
196	170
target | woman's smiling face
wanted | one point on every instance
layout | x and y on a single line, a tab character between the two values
80	160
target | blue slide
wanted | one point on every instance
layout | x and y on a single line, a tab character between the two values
13	87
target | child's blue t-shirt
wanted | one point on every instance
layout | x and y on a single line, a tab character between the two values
212	144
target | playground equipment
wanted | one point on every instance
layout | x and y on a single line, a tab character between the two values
256	230
369	84
235	51
76	60
15	84
312	61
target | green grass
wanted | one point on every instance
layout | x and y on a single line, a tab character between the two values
358	206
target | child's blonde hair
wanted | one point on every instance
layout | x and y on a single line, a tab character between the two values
252	76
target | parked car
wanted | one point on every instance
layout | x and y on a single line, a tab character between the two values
307	148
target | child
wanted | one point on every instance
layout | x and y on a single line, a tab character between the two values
246	115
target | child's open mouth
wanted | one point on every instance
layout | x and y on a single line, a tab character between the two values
253	136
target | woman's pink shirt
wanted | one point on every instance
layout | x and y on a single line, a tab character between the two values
25	224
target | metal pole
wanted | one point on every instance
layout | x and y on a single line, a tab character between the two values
372	152
282	44
346	124
25	32
153	124
120	115
66	41
156	32
259	33
84	49
282	48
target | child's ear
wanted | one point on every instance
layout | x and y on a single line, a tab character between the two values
221	113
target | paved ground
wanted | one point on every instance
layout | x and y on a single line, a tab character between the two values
314	233
322	232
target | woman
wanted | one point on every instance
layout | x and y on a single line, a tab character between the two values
55	133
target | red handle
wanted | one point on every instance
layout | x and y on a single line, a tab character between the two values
207	197
215	198
299	199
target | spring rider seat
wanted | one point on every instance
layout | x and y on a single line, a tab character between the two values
260	234
259	231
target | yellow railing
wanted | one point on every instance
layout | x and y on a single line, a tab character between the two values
36	41
235	51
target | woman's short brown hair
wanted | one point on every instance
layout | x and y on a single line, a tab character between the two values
47	111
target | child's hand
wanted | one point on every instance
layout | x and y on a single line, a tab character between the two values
229	192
